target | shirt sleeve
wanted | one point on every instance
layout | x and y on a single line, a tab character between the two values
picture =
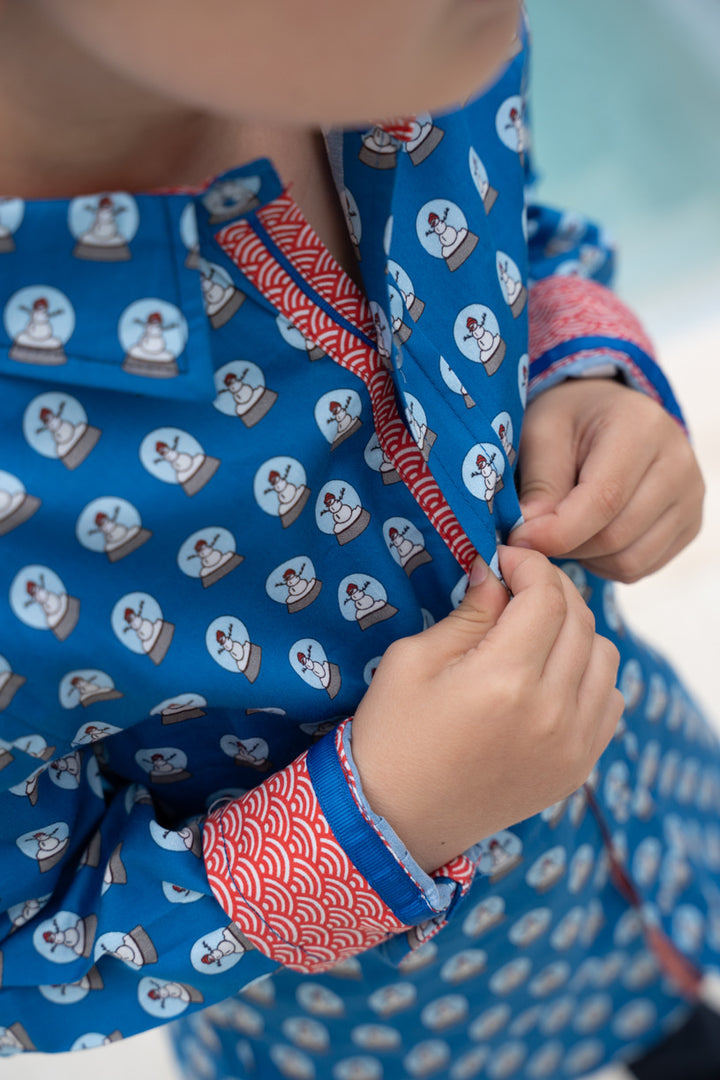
130	924
313	876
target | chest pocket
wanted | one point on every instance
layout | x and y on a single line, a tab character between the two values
112	291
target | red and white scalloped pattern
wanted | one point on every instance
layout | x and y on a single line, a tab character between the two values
278	871
290	231
563	308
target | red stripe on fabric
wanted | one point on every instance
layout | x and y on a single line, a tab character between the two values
290	231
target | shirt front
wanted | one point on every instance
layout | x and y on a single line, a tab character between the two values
230	480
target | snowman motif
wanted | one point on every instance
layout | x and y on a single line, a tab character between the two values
352	219
348	521
77	936
93	733
479	175
228	199
72	440
368	608
379	148
316	667
511	284
119	539
501	853
82	688
502	425
378	461
404	549
480	325
401	330
423	436
300	588
103	241
164	998
291	496
415	306
510	976
383	335
510	126
192	469
10	683
483	472
164	765
134	948
60	611
454	384
215	563
152	635
16	506
220	296
222	951
547	870
456	242
46	845
150	356
241	653
249	402
298	340
36	343
422	138
346	424
12	211
530	927
252	753
179	708
66	771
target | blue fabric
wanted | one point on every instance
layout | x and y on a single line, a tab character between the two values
151	639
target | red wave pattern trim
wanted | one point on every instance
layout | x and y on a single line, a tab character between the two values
278	871
288	228
563	308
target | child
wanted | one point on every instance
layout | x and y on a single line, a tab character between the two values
250	451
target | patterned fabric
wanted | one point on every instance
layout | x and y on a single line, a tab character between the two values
230	479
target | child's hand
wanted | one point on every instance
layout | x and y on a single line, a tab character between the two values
607	478
490	715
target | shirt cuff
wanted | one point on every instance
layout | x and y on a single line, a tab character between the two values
578	326
310	875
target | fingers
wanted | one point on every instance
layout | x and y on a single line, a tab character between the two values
568	660
547	469
598	695
467	625
535	615
606	484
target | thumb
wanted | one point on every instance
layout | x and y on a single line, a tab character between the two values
547	473
465	627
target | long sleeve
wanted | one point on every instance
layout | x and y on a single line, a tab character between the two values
129	926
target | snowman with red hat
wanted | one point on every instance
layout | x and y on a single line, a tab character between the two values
150	355
103	242
37	343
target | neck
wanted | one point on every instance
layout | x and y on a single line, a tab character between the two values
71	126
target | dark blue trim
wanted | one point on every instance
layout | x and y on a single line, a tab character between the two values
642	359
302	284
359	840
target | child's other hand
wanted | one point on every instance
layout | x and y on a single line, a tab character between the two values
607	478
490	715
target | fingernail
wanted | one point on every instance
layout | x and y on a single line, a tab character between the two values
478	572
520	543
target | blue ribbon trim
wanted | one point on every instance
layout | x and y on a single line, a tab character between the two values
642	359
359	840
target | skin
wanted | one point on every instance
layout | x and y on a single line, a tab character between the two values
141	94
